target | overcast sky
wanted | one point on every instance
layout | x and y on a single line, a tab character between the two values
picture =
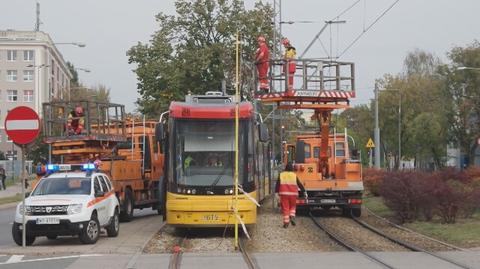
111	27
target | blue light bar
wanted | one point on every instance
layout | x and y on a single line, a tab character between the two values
89	166
52	168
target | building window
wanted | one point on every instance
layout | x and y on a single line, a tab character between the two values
11	75
11	55
28	55
28	96
27	75
12	95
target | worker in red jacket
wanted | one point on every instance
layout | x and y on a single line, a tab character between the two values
262	59
287	187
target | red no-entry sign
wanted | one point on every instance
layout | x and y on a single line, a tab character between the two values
22	125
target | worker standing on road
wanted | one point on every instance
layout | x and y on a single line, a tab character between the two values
290	65
287	187
2	178
262	59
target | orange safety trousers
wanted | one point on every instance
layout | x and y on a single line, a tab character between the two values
289	205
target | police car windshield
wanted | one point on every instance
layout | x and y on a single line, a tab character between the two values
63	186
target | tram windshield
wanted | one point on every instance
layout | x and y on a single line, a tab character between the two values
205	152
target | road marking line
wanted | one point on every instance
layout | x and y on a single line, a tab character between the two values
15	259
18	258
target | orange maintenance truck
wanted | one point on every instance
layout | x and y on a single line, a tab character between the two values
125	149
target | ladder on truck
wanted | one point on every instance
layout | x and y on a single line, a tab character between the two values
319	85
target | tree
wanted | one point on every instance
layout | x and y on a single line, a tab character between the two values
462	89
417	86
98	93
194	51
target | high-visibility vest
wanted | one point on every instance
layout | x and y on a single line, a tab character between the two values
288	184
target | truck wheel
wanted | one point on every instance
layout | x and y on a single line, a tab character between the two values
356	212
91	232
17	235
114	226
127	212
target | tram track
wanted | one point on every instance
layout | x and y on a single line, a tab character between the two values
406	230
247	257
343	242
177	251
406	244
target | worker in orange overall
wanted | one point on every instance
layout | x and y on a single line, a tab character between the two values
287	187
290	65
262	59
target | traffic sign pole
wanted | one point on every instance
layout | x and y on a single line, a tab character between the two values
22	125
24	226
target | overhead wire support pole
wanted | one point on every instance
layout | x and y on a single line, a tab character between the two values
237	98
377	131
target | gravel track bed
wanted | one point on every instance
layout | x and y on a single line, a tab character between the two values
196	240
357	235
268	235
405	236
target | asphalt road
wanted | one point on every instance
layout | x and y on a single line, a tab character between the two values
7	215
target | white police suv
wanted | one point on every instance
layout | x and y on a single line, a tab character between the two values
70	200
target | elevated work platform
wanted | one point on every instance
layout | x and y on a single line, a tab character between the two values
104	122
317	84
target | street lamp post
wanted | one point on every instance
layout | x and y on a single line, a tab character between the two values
460	148
377	128
78	44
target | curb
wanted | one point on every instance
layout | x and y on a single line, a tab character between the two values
8	205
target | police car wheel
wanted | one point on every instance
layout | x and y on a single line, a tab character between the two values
91	232
114	226
17	236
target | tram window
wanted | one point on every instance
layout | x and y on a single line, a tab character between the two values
307	151
316	152
340	149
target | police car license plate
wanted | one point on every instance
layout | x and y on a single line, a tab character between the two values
48	221
328	201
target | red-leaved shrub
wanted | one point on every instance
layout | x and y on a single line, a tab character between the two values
446	193
372	179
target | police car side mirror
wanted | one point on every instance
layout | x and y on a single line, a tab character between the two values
27	194
99	194
159	132
263	132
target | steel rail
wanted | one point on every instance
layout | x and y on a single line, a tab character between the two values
407	245
342	242
246	256
400	227
176	258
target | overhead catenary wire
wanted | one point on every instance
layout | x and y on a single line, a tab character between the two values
368	28
317	36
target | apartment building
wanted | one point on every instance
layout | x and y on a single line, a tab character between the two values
32	71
